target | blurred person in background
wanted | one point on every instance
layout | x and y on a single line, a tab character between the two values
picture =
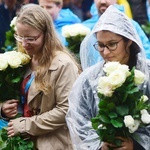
8	10
86	5
61	17
122	5
79	7
139	11
148	9
28	1
74	6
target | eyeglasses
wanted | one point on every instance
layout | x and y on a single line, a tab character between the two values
30	39
110	46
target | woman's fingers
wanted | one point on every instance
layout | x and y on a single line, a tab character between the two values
10	129
9	108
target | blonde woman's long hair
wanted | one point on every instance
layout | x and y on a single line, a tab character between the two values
35	16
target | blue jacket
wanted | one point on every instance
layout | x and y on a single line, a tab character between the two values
95	54
66	17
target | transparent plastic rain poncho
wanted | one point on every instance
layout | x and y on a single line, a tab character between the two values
83	99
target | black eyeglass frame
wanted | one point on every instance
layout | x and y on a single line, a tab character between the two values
96	46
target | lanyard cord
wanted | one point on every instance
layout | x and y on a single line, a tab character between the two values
28	84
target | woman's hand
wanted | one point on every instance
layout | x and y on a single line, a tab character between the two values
127	144
9	108
10	129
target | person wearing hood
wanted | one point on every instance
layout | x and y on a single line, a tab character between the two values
61	17
93	56
116	41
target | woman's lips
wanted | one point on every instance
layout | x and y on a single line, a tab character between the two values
109	58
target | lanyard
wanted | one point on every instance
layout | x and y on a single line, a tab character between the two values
28	84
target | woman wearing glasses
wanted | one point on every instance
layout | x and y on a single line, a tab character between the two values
46	84
116	41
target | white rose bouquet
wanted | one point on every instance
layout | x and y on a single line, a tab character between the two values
12	69
122	108
74	35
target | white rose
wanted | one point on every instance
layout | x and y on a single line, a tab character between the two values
144	111
13	60
15	28
13	22
145	118
74	30
104	87
125	69
83	30
25	59
139	77
109	67
144	98
3	62
10	53
66	31
79	29
131	124
117	78
129	121
133	128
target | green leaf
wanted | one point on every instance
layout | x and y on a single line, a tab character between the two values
95	119
122	110
30	145
112	115
111	106
4	134
102	104
15	80
146	28
95	125
117	123
134	90
14	143
104	118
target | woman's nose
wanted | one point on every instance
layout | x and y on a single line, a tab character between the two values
106	51
24	43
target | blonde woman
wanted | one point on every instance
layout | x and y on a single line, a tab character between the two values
46	84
